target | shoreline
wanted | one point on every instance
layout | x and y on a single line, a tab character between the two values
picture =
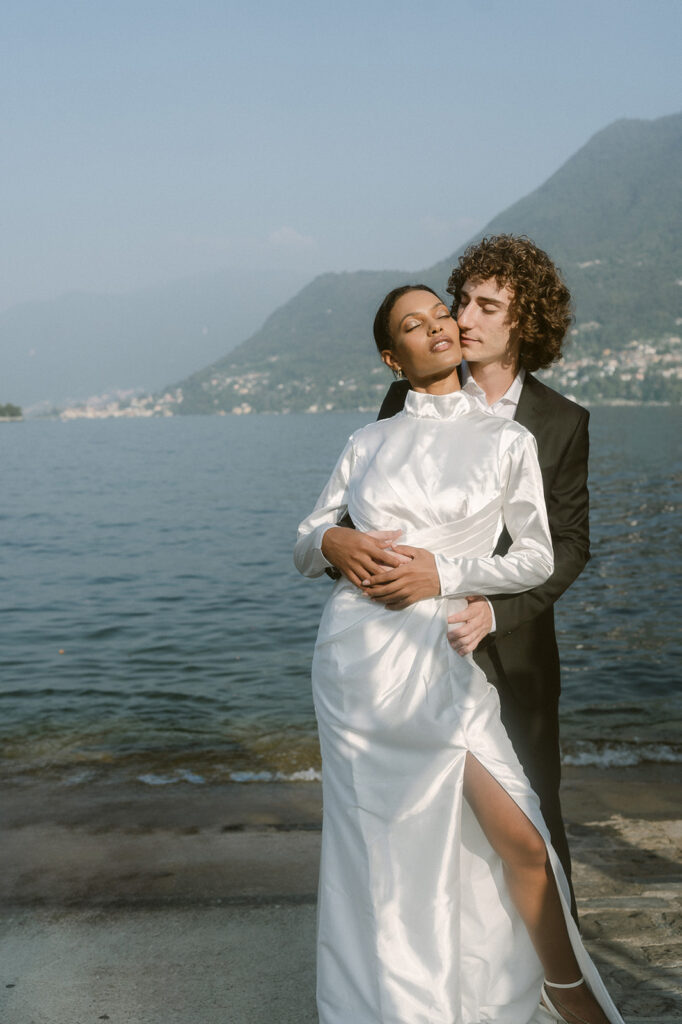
647	790
82	412
113	844
185	902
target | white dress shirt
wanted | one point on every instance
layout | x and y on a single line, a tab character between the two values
504	407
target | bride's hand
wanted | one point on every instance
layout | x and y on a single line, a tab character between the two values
384	535
359	556
415	580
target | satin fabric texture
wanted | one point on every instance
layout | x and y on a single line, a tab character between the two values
415	922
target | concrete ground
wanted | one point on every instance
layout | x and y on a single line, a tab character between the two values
197	906
188	965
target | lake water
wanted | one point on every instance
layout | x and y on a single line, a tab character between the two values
153	626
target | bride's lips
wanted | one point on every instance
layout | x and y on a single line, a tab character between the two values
441	344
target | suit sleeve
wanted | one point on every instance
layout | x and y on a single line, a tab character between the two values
330	507
528	562
568	513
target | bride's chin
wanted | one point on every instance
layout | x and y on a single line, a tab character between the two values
439	381
447	371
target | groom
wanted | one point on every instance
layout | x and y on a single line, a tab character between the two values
513	312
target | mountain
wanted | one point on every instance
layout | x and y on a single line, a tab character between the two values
611	217
81	343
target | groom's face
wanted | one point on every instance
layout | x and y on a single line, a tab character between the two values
487	332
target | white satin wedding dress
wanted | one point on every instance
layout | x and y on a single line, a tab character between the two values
415	921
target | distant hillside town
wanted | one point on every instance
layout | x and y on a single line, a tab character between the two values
641	372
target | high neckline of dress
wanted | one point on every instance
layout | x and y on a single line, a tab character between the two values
438	407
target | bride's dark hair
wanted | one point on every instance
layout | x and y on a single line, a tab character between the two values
382	334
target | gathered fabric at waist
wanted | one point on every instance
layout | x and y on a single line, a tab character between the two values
471	536
468	537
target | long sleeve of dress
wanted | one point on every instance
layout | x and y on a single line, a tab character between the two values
529	561
330	507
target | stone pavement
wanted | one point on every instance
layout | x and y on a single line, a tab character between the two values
197	907
629	884
180	965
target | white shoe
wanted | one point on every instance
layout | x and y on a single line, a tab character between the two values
549	1005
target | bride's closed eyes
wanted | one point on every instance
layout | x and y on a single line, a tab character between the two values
443	314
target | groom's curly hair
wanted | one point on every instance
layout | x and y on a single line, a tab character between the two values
541	304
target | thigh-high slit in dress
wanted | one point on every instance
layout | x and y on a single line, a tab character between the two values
415	922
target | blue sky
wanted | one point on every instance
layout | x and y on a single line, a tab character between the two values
147	141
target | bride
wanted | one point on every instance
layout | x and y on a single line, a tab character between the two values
441	899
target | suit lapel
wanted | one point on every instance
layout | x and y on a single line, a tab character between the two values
529	409
531	414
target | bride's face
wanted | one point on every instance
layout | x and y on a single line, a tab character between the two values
425	340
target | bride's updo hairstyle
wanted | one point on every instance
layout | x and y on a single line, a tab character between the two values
382	333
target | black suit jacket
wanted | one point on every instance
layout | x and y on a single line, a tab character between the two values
522	656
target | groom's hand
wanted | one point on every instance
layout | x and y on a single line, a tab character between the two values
467	628
414	581
359	556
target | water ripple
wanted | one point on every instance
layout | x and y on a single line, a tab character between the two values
151	612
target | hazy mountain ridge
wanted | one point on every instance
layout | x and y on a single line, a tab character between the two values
83	343
610	217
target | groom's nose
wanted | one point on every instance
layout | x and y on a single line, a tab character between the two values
464	317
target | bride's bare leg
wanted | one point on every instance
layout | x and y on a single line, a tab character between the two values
533	888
